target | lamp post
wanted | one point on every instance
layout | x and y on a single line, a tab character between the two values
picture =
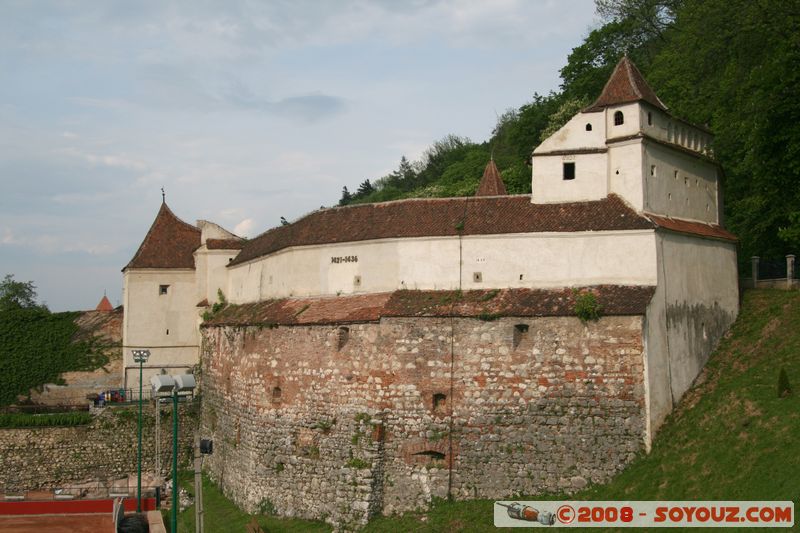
140	356
175	384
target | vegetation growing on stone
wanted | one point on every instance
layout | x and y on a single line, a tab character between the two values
36	346
587	307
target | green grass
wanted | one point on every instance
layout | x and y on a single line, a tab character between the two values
731	437
222	516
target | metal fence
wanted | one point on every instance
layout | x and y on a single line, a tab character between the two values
101	398
772	268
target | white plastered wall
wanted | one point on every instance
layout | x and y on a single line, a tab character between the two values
680	185
543	260
549	185
625	172
632	120
166	324
695	302
210	230
212	272
574	136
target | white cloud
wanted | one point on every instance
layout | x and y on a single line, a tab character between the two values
8	237
244	228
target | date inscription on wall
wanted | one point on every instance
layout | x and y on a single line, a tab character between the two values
345	259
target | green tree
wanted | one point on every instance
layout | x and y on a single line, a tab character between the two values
346	196
17	294
733	65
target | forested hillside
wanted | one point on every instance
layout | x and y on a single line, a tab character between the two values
732	65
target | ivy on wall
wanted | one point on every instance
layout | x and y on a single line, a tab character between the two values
36	346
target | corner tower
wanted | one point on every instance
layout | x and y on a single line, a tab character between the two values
628	143
160	297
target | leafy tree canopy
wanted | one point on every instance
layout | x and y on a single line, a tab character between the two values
17	294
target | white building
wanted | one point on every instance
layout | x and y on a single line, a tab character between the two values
624	194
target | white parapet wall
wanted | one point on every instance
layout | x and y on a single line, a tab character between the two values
533	260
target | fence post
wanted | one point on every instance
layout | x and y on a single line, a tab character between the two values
789	271
754	265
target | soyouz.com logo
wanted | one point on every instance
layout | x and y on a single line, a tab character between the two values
644	514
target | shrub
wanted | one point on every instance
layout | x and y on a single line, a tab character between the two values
358	463
587	307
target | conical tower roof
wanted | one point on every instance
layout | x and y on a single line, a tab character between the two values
491	183
625	85
168	244
104	305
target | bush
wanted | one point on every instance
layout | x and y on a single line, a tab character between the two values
587	307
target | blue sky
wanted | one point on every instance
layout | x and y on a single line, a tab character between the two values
243	111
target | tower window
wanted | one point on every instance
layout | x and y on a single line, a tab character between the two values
569	171
276	393
162	289
619	118
653	170
649	118
588	127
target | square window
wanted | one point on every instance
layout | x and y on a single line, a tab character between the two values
162	289
477	277
569	171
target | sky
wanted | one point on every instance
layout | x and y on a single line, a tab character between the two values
243	111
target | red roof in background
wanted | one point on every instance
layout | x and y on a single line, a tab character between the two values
168	244
699	229
424	217
104	305
485	304
625	85
491	183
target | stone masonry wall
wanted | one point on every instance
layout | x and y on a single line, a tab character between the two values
98	455
346	422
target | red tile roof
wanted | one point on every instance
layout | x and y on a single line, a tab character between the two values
423	217
491	183
625	85
168	244
693	228
224	244
483	304
104	305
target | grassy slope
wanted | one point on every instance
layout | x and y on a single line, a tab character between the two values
730	438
